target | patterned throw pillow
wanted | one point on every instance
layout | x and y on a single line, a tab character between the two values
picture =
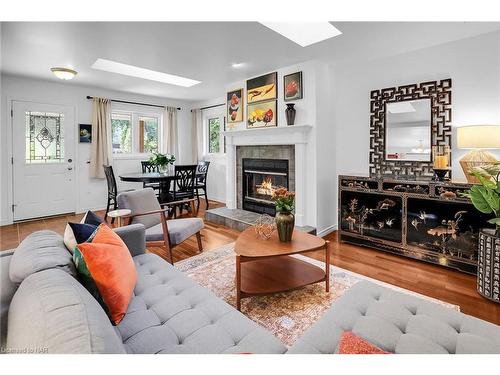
352	344
76	233
107	270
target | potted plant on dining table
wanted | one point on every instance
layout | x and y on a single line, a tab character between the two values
486	198
284	201
162	161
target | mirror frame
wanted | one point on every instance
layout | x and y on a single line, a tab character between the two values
386	128
439	92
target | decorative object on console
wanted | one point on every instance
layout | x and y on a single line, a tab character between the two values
486	199
425	220
478	138
285	220
234	105
441	161
290	114
439	94
265	226
262	88
85	131
162	160
292	85
262	115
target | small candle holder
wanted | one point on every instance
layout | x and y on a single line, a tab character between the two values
441	162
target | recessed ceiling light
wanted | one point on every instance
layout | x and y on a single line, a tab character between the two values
304	33
64	73
237	65
135	71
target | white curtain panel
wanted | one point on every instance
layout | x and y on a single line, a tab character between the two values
170	137
101	151
197	136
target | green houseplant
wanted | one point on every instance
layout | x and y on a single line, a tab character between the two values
162	160
284	201
486	198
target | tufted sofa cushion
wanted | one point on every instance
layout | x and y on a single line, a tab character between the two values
170	313
398	323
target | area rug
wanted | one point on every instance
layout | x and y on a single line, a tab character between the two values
286	314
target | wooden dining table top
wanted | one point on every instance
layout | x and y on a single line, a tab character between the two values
146	177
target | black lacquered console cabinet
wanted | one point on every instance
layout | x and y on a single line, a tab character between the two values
424	220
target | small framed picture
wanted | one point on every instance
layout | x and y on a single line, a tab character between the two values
262	88
292	85
85	131
262	115
234	103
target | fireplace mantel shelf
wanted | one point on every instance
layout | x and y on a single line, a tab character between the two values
275	130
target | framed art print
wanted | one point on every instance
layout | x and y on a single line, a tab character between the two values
85	133
262	88
234	103
292	86
262	114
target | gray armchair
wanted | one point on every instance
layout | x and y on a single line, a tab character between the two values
159	231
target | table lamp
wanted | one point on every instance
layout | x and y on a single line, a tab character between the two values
477	138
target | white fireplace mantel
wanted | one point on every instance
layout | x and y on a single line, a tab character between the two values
297	135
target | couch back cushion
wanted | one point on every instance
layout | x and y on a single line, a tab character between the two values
140	201
40	251
52	312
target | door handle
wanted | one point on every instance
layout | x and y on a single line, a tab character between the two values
70	168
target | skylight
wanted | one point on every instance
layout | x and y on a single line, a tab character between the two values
304	33
135	71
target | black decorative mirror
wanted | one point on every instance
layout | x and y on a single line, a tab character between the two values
405	123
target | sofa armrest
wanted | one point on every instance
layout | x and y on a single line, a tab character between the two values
134	237
7	291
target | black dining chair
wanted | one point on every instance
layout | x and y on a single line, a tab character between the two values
184	184
147	167
112	190
201	182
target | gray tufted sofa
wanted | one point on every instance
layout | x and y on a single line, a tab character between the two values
44	309
398	323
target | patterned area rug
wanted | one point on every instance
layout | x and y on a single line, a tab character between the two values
287	314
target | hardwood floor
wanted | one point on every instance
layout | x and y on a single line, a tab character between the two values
431	280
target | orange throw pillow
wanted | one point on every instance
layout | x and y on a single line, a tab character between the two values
352	344
107	270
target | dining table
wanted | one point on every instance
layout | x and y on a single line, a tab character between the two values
163	179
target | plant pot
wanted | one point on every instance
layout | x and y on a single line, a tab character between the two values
290	114
163	168
285	222
488	265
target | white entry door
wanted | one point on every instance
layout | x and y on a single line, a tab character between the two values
43	144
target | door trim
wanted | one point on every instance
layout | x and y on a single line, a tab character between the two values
10	154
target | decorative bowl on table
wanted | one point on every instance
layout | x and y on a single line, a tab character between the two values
265	226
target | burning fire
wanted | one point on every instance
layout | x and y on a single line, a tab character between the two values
266	187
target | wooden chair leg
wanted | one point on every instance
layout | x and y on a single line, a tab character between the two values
200	245
206	195
198	199
107	210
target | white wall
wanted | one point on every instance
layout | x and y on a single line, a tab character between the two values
473	65
91	193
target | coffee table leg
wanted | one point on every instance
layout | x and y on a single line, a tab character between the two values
238	283
327	266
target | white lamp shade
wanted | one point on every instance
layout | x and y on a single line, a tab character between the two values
478	136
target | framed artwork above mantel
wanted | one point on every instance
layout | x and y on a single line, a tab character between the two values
417	163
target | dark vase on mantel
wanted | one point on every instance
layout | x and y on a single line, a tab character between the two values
290	114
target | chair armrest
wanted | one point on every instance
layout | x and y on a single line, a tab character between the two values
131	216
134	237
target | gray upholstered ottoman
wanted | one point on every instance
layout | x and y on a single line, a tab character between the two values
398	323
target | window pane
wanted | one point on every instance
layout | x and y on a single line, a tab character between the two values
148	134
121	129
44	138
213	135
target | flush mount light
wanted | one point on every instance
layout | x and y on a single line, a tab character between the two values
304	33
135	71
64	73
237	65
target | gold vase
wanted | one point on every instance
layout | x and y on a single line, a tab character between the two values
285	222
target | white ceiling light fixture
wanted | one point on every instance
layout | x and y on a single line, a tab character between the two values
64	73
135	71
237	65
304	33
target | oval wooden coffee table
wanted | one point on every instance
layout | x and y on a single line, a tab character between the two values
266	266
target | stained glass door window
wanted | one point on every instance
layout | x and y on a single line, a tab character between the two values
44	138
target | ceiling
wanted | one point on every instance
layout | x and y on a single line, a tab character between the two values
202	51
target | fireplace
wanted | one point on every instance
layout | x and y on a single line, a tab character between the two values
260	178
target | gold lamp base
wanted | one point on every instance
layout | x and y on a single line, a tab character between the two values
475	158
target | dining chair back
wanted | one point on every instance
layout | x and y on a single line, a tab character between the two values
112	190
185	176
147	167
201	182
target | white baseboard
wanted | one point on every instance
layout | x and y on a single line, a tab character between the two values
216	199
327	230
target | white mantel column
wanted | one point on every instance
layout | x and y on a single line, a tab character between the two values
230	174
